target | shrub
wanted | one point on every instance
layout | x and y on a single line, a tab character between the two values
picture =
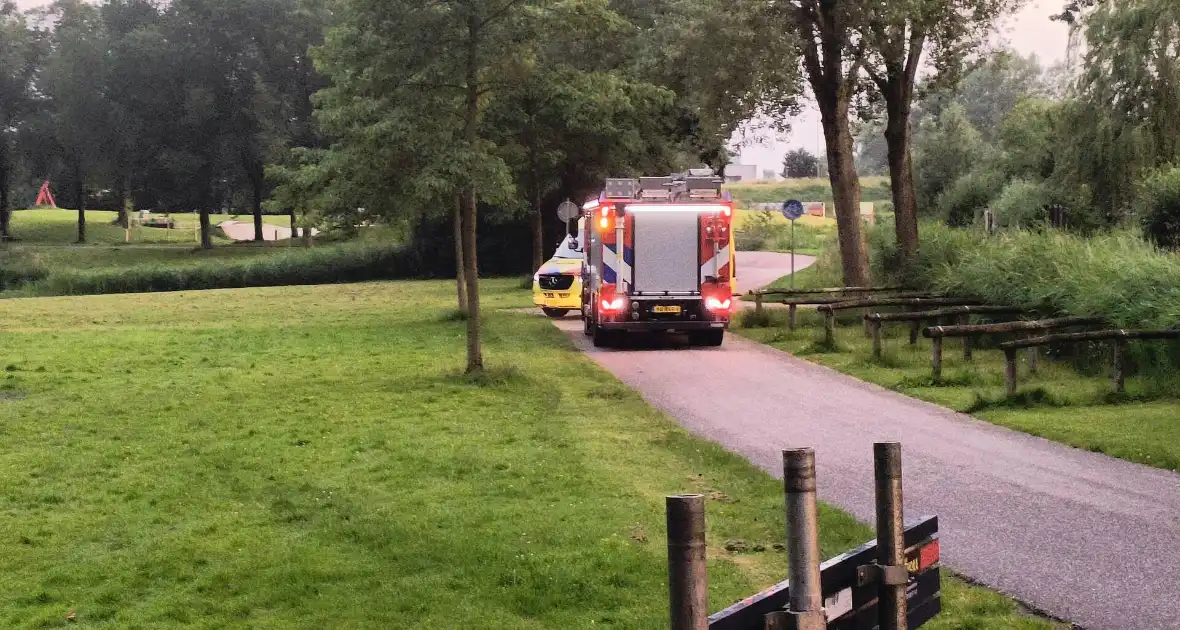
1158	206
759	232
968	196
1022	204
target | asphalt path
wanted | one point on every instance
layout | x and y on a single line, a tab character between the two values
1081	536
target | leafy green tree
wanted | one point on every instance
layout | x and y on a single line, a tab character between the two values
800	163
1158	203
944	151
19	62
896	35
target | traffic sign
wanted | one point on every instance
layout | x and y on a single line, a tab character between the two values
568	211
792	209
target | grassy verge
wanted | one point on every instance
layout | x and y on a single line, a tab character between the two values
873	189
310	457
1059	402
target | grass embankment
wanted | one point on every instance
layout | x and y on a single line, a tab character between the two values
309	457
1070	399
770	232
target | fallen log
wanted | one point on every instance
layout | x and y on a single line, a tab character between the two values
1119	337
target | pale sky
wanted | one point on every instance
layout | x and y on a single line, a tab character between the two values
1028	32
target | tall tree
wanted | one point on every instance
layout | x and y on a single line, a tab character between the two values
896	34
800	163
19	61
824	35
76	85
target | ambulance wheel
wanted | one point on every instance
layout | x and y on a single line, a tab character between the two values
707	338
603	338
555	313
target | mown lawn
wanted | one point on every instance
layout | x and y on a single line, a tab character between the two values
310	457
60	227
1058	402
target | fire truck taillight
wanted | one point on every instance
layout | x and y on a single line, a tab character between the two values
613	303
718	304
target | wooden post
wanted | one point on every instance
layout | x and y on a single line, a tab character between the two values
791	310
687	586
936	359
868	329
963	321
1010	372
1033	352
1118	374
914	328
830	328
875	325
758	303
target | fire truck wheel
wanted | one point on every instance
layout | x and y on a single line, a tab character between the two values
587	325
555	313
709	338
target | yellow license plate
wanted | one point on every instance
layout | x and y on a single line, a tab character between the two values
560	296
666	309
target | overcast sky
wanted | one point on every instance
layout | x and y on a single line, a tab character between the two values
1028	32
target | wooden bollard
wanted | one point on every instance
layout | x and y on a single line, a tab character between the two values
1010	372
758	303
915	327
688	594
875	325
830	327
963	321
1033	352
791	310
1118	373
936	359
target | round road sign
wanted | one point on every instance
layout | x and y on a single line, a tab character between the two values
792	209
568	211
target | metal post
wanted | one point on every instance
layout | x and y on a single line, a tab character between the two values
792	254
891	609
806	602
687	584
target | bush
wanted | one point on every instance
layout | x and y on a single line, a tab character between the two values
1022	204
962	203
325	265
759	232
1158	206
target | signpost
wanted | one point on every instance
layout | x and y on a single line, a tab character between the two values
792	210
568	211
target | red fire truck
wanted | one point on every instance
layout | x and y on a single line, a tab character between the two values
659	257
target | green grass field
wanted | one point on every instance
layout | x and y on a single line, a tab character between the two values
1057	403
873	189
309	457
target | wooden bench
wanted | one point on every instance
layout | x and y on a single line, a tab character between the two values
829	310
961	313
1120	337
938	333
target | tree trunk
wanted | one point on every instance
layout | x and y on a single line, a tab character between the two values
206	235
460	277
256	188
901	175
538	230
854	252
80	196
4	201
470	265
294	230
121	201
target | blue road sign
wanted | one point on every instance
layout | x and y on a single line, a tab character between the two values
792	209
